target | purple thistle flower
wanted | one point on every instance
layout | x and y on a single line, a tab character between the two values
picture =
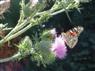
59	48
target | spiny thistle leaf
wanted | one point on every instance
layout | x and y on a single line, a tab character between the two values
43	54
30	10
25	46
40	19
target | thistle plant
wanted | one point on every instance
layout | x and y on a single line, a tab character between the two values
31	14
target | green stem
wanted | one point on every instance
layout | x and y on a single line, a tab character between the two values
19	32
16	56
62	10
17	28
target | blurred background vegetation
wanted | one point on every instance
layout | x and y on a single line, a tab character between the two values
80	58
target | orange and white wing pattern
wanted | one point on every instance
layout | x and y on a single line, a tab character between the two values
72	35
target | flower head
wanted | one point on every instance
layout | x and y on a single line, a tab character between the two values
59	48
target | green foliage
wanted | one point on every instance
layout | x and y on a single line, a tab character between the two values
3	27
47	35
40	51
25	47
30	10
3	30
64	4
43	54
84	1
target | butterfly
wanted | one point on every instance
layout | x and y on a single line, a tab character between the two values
4	5
72	35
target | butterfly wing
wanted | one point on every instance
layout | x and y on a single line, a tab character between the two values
72	39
